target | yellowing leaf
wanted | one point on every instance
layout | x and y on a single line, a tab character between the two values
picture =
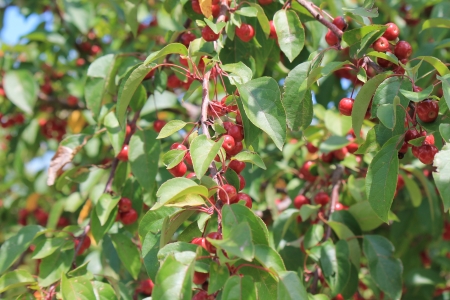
206	7
32	202
76	121
84	213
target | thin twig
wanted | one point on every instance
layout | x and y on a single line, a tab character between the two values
312	10
336	182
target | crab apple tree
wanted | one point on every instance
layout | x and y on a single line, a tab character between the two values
225	149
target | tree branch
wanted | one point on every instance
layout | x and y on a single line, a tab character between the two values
224	8
336	182
312	10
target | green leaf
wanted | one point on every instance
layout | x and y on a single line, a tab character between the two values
170	128
363	12
386	115
298	104
436	23
218	275
290	32
103	291
105	205
417	97
13	247
313	236
52	266
15	279
445	87
251	132
436	63
153	220
238	288
247	11
251	157
174	279
269	258
333	143
381	179
385	269
238	73
337	123
413	190
98	230
290	287
143	154
354	36
261	101
128	253
171	224
335	265
237	242
47	247
115	133
131	14
174	48
128	87
79	288
93	93
364	214
442	175
173	158
362	100
217	28
262	19
344	233
417	142
234	214
21	89
171	190
387	56
80	14
203	151
150	249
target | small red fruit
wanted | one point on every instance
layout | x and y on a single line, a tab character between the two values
158	125
86	244
400	182
228	143
305	172
301	200
236	165
200	241
123	154
265	2
352	147
196	6
246	32
202	295
384	62
391	32
200	278
381	45
403	50
228	193
428	110
331	38
41	216
236	132
411	134
214	236
146	287
246	198
346	106
273	32
322	198
237	148
429	140
209	35
241	182
327	157
179	170
340	23
187	37
72	100
426	153
340	154
173	82
125	205
178	146
129	217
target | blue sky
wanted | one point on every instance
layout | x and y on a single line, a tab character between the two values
16	25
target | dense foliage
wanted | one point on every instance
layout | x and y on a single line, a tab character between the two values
215	149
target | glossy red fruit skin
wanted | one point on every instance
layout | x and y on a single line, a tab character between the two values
146	287
340	23
196	6
322	198
346	106
340	154
301	200
209	35
241	182
311	148
237	149
187	37
403	50
236	166
125	205
200	278
178	146
158	125
384	62
202	295
129	217
264	2
381	45
273	32
215	236
340	206
246	198
228	143
391	32
428	110
123	154
227	193
404	147
327	157
188	159
236	132
179	170
86	244
429	140
200	241
411	134
173	81
352	147
246	32
305	171
72	100
426	153
331	38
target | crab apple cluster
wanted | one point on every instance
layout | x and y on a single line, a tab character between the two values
53	128
89	47
40	216
85	244
330	37
245	32
10	121
424	152
126	214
